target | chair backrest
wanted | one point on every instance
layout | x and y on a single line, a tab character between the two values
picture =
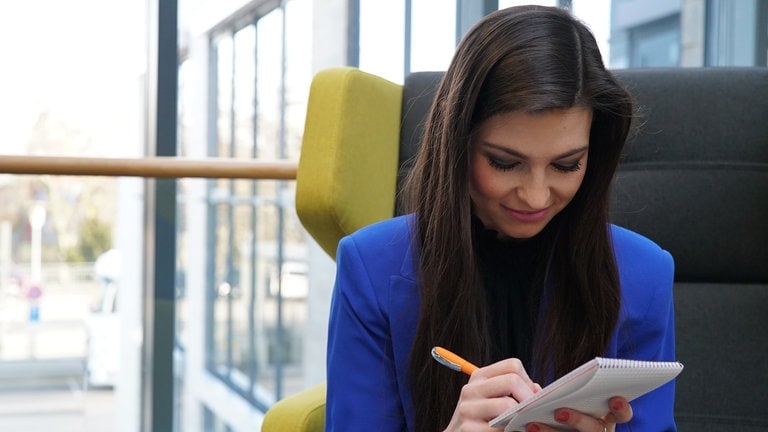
348	166
694	179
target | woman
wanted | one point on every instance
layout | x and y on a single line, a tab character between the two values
507	258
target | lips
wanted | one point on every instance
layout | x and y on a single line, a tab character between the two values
528	216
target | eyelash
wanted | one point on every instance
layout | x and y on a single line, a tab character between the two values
568	168
495	163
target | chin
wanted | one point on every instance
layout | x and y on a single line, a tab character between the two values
522	234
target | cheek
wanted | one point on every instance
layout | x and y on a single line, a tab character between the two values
569	187
482	181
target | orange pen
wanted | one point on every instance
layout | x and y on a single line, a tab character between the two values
452	361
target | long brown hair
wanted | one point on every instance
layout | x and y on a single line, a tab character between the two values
529	59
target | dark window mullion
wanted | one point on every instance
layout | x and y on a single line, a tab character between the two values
160	222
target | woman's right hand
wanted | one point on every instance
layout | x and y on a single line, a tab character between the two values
491	390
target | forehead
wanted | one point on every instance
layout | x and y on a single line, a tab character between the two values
552	131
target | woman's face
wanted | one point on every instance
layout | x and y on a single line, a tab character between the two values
525	168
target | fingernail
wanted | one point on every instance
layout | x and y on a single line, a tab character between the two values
533	427
562	416
617	405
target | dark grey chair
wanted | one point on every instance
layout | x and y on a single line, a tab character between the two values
695	180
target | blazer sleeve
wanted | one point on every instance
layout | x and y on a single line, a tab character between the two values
362	384
647	330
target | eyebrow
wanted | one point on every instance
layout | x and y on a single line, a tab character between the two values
522	156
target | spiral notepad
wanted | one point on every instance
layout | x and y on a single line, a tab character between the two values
588	389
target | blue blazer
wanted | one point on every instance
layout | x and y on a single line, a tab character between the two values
374	311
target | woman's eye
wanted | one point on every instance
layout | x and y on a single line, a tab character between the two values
566	168
502	165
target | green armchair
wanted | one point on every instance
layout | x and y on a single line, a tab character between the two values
347	178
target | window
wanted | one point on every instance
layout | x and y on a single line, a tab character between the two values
259	84
656	44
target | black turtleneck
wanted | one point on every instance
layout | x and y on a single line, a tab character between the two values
508	269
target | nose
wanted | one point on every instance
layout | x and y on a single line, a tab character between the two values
535	192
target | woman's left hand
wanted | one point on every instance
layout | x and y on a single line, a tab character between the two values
621	412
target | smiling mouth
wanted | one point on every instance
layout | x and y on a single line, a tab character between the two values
528	216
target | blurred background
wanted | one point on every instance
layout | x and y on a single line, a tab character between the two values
132	305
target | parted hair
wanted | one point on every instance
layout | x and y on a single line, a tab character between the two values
529	59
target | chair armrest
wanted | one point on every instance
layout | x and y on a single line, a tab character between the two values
302	412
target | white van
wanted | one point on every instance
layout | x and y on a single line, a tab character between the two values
102	361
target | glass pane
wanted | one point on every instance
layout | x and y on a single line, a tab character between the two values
224	55
74	88
242	290
733	32
243	79
222	290
268	84
382	38
649	34
433	34
657	45
298	73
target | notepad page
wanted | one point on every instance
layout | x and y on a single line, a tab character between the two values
588	388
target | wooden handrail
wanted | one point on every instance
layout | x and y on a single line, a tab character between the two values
153	167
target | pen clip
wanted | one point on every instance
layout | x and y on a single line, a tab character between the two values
444	361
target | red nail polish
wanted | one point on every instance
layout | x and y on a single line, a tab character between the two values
617	405
533	427
562	416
